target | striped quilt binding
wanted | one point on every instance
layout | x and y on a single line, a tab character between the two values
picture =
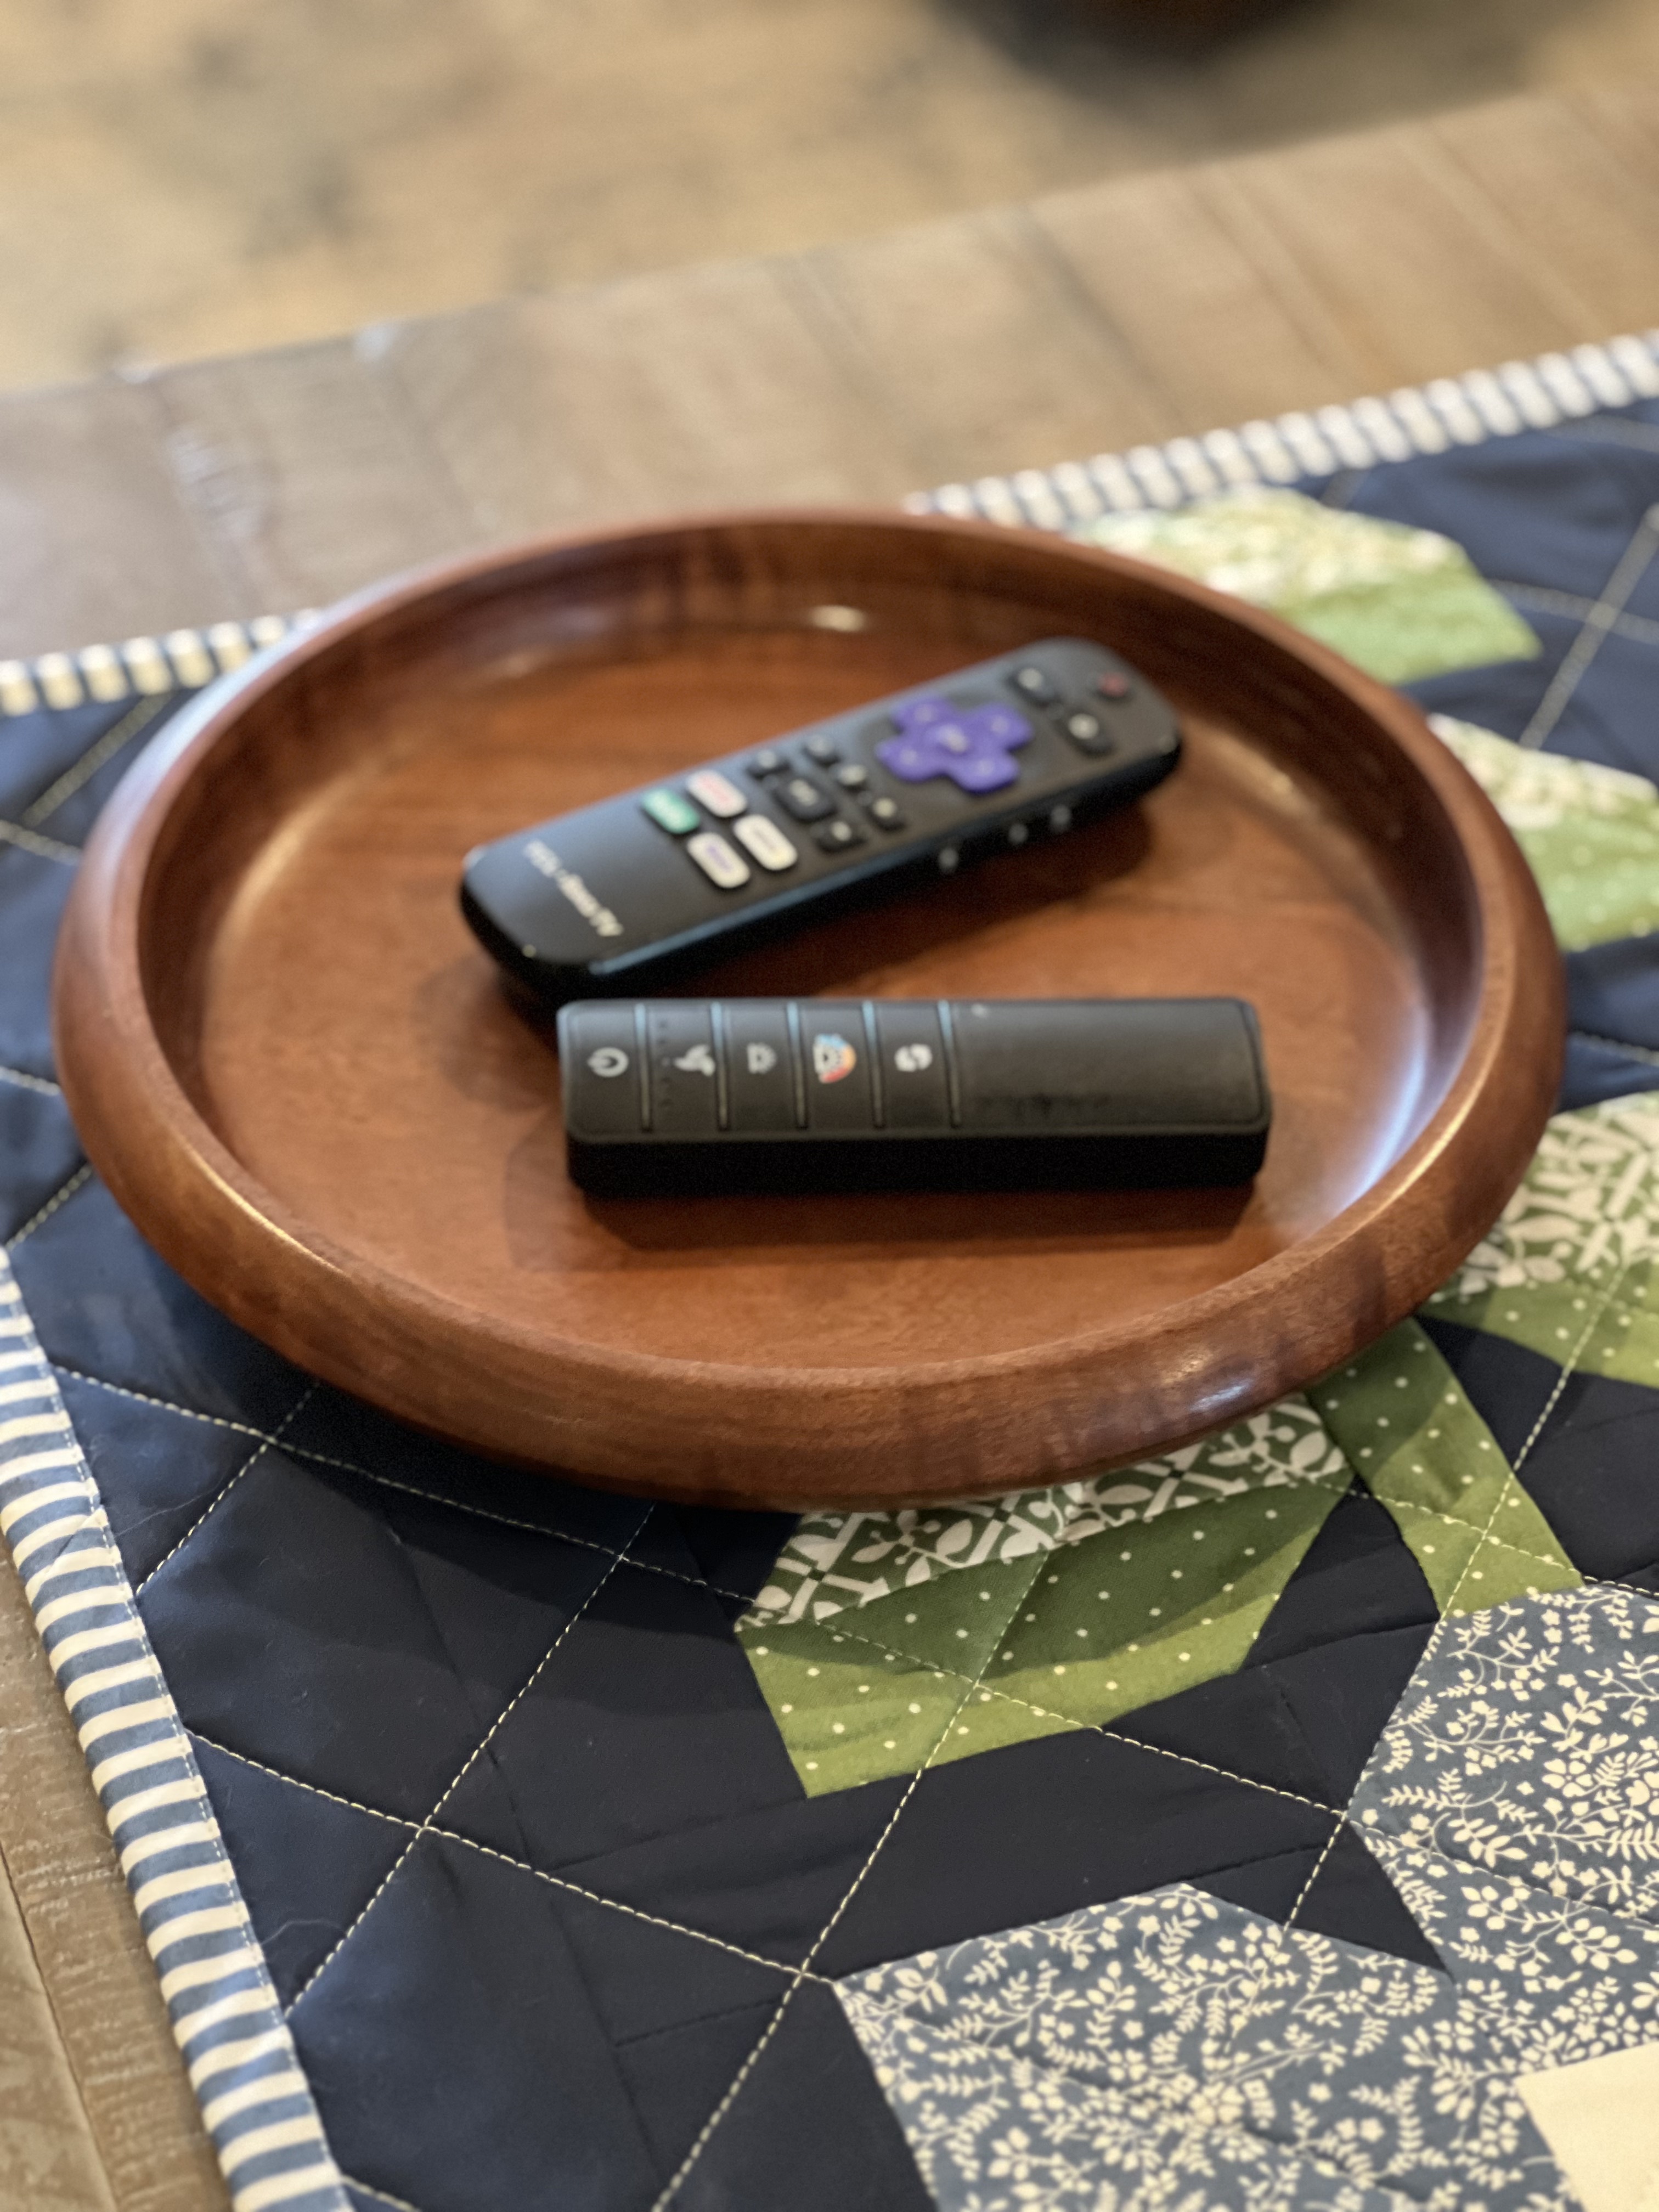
1418	420
225	2013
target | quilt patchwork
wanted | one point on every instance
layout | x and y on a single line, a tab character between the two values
1267	1824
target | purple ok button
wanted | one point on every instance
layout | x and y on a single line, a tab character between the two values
972	745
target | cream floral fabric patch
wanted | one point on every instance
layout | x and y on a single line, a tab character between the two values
1402	603
1174	2050
1590	833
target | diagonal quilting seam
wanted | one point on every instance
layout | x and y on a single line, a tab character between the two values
709	2126
121	733
1627	572
1641	1052
384	2196
225	1489
1451	1520
45	849
502	1718
59	1197
1044	1712
488	1851
23	1081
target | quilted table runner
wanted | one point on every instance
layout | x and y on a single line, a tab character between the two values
1272	1824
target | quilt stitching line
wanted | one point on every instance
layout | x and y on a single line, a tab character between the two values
651	1567
744	1598
367	2189
23	1081
1628	571
1043	1712
488	1850
725	2105
477	1751
121	733
1640	629
45	849
1618	1044
59	1197
225	1489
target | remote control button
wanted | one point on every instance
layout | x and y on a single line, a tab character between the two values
851	777
806	800
764	841
1086	733
600	1071
972	745
1115	687
760	1069
824	751
914	1081
1017	833
1059	820
718	793
685	1089
886	813
1035	684
837	836
837	1069
718	861
671	811
767	762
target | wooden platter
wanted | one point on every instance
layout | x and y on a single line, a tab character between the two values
298	1074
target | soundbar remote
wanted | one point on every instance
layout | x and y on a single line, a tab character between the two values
619	896
705	1096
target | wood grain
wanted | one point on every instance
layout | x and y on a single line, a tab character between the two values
307	473
301	1079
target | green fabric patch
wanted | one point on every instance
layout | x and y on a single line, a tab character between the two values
1590	833
1566	1269
1401	602
832	1561
1418	1445
893	1641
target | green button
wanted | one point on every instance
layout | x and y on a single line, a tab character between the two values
672	812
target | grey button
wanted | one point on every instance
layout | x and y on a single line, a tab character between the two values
914	1080
718	861
684	1074
760	1069
599	1069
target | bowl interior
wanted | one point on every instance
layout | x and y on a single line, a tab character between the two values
315	989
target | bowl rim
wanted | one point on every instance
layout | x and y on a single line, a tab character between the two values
284	1279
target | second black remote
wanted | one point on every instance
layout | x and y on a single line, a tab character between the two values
700	1097
627	895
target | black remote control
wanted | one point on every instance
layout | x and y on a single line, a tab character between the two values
707	1095
625	895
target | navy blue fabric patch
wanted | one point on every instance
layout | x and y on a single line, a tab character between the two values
528	1858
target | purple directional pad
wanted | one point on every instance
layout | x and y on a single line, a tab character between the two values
971	745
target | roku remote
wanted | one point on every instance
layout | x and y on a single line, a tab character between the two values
626	894
705	1096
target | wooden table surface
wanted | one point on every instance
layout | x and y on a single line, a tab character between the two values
1091	320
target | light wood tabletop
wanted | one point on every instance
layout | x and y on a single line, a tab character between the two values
1087	321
